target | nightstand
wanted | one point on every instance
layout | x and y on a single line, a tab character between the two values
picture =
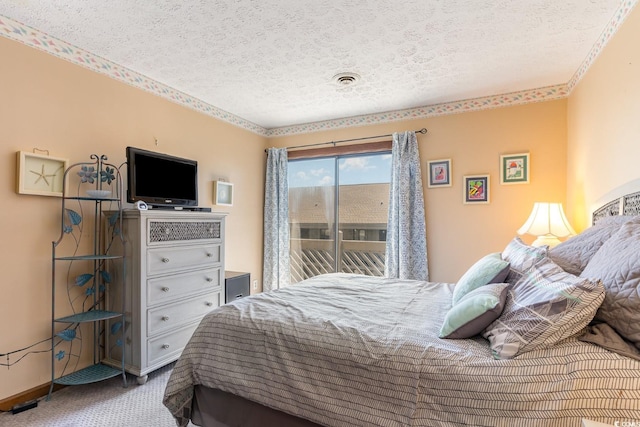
237	285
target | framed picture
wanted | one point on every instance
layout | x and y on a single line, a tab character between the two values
439	173
514	169
476	189
222	193
40	174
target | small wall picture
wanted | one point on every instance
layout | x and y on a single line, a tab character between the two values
222	193
514	169
476	189
439	173
40	174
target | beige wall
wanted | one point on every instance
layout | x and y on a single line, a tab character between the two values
580	149
72	112
604	123
459	234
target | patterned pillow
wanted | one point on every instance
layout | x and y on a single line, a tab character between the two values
475	311
544	307
488	269
573	254
617	264
521	257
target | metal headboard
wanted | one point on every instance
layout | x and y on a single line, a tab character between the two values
628	204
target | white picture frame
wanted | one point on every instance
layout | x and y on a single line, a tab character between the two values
514	168
222	193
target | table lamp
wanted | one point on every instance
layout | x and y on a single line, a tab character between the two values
548	222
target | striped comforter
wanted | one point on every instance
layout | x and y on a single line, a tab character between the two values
349	350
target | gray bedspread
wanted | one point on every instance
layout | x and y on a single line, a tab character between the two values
348	350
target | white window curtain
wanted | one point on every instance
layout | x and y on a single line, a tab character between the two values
406	248
276	273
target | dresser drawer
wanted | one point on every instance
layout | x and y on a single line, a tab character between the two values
169	288
179	258
171	316
168	347
183	230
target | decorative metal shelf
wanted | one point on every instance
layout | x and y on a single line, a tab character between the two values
87	257
92	374
88	316
83	225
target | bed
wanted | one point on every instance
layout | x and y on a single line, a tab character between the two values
350	350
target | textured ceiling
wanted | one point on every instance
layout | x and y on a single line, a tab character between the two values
270	62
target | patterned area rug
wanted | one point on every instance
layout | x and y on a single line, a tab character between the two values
103	404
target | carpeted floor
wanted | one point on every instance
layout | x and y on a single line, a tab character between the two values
103	404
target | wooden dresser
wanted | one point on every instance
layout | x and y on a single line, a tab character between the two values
175	275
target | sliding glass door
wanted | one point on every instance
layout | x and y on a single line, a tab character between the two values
338	214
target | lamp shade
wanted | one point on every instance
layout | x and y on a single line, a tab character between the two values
548	222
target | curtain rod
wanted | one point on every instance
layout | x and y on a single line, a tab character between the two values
422	131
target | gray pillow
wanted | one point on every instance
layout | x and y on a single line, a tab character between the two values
617	264
574	254
521	257
475	311
544	307
488	269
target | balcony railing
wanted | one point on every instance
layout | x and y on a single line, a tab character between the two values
311	257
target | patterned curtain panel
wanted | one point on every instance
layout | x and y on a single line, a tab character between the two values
406	249
276	221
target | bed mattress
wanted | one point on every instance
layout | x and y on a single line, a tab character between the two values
356	350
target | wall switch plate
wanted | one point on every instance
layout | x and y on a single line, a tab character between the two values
255	285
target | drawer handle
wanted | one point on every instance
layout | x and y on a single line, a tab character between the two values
165	346
165	318
165	289
165	260
167	230
208	303
209	255
209	279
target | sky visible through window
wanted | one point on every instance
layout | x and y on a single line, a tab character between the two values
369	169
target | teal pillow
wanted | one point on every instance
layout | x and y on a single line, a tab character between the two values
489	269
475	311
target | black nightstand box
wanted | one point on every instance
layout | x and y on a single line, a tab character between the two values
237	285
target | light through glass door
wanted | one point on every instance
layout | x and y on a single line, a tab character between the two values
338	214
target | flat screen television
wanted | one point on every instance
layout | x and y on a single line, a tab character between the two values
161	180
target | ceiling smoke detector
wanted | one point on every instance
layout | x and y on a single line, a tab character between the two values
346	79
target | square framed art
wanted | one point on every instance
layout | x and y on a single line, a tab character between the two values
476	189
439	173
222	193
40	174
514	168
